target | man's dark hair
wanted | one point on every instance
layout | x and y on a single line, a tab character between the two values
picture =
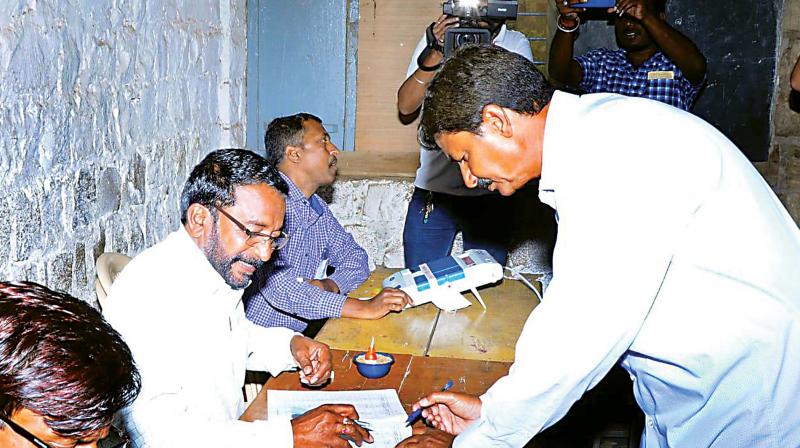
213	181
659	5
61	359
478	75
283	132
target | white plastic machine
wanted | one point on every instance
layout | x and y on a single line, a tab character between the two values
443	280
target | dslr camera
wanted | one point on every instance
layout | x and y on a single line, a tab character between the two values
470	13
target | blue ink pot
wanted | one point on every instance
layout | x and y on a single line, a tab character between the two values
373	369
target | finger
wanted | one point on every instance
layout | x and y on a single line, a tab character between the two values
362	433
344	410
418	429
350	432
303	361
323	365
445	398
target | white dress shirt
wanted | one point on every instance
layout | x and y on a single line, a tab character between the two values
192	343
436	172
673	257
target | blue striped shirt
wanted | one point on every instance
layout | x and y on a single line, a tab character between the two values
609	71
275	298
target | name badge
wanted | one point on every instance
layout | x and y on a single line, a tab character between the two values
660	75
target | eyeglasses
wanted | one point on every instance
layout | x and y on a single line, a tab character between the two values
256	238
115	438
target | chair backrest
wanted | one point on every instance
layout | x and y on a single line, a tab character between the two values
108	266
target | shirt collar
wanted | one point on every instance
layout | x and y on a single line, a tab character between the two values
295	194
557	132
501	36
656	59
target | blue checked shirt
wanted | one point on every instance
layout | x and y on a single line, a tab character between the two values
608	71
276	298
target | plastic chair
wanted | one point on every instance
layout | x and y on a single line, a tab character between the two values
108	266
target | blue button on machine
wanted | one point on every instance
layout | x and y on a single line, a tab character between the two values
422	283
446	270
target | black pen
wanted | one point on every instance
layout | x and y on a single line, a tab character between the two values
415	415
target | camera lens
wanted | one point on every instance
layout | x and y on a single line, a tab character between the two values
465	39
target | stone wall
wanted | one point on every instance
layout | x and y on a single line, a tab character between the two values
104	107
782	171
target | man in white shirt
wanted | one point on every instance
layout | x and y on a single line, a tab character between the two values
704	312
441	205
178	306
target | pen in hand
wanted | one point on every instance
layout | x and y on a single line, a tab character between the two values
415	415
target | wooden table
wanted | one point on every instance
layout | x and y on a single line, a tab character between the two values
411	376
408	332
470	333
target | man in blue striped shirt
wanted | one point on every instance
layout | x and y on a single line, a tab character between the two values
654	61
289	291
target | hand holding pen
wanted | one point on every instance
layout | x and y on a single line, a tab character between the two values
417	412
451	412
329	425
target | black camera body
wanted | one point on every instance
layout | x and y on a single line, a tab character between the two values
470	13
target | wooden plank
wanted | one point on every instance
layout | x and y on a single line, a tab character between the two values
491	334
407	332
412	377
381	165
388	32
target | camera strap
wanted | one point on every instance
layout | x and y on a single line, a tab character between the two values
432	45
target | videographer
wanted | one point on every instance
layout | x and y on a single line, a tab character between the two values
441	205
654	61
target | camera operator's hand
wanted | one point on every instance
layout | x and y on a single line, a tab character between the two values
569	9
638	9
412	91
442	24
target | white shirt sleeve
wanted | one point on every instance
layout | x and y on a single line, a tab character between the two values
586	322
412	65
269	348
516	42
164	423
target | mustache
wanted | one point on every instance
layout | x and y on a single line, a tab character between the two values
255	262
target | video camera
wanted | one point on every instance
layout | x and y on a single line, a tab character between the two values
470	13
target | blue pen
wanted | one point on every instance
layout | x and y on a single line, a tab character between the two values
415	415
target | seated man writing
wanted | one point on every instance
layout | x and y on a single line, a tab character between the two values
654	61
178	305
290	291
64	372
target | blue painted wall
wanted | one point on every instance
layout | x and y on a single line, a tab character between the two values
299	60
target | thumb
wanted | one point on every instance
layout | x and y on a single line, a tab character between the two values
303	361
445	398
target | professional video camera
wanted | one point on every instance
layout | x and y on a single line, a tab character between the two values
470	13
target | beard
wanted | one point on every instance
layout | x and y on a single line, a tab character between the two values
223	263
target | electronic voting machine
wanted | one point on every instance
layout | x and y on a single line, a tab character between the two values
441	281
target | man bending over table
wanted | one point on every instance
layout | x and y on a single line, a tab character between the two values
705	314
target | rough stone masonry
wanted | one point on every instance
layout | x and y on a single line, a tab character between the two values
104	107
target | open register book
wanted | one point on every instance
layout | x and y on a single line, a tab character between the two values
381	409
